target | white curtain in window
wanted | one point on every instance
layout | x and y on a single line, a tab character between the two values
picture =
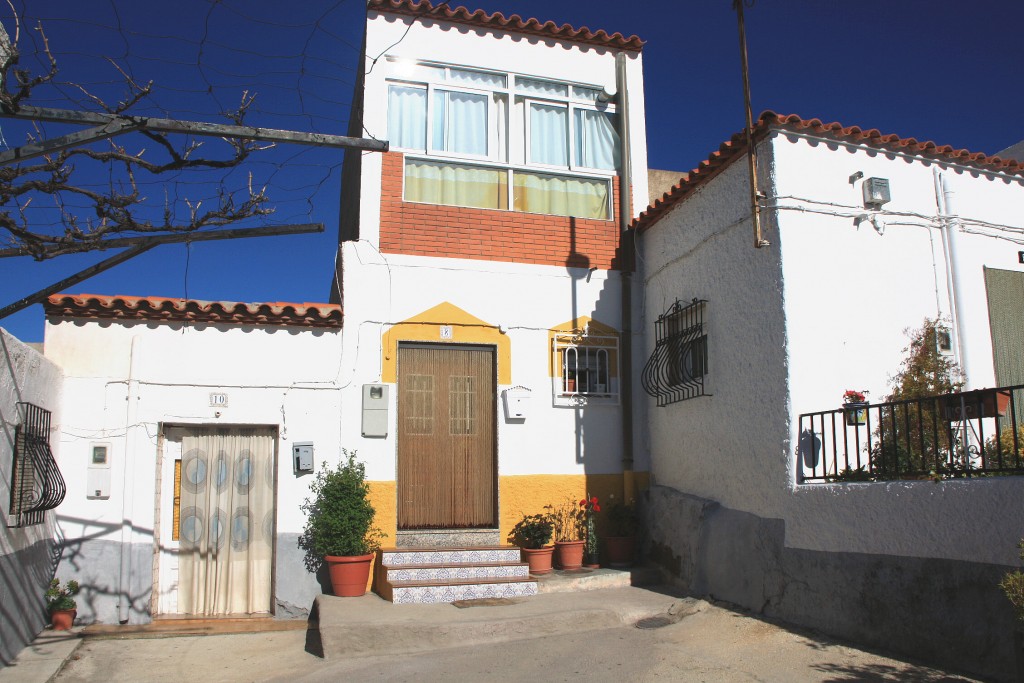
460	122
407	117
560	195
456	185
597	141
227	521
549	128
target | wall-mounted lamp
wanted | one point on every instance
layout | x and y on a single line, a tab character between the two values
876	192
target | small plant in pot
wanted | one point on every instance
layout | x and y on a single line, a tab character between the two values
533	534
61	605
623	522
339	526
570	531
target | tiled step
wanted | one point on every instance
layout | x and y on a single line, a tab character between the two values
448	556
428	572
419	592
430	575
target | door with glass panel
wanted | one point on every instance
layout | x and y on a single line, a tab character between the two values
447	475
217	520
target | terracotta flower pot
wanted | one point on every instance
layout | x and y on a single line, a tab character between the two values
63	619
539	559
349	575
569	554
620	550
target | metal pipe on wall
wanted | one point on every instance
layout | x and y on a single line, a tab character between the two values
626	276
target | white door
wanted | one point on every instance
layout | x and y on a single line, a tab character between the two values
218	510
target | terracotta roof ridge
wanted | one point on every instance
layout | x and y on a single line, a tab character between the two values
514	23
126	307
733	148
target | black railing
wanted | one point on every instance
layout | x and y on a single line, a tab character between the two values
675	371
967	434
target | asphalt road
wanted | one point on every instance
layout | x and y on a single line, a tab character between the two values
714	644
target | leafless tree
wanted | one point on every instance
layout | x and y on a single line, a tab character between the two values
119	208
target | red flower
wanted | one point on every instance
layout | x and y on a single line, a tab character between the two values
583	502
594	500
597	508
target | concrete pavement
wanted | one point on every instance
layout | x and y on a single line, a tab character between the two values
557	636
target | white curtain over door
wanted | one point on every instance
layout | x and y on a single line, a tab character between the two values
227	521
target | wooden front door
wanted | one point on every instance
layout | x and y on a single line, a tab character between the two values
447	477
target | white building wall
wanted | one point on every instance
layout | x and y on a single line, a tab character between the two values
524	300
125	380
907	565
26	554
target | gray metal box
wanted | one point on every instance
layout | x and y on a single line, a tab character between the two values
375	410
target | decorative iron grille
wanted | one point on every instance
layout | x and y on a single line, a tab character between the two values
676	370
36	483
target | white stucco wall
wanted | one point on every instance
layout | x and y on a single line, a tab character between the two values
524	300
825	309
125	380
26	563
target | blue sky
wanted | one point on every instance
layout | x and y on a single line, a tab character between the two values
931	69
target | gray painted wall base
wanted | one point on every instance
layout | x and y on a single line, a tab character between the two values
946	612
96	565
24	576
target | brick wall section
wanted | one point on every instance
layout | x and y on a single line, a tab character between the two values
490	235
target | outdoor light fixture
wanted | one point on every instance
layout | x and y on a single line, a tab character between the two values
876	192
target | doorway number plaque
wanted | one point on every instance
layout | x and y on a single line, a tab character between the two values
218	400
446	331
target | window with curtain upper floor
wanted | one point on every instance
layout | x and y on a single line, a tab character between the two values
502	141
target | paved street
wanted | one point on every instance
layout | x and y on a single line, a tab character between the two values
713	644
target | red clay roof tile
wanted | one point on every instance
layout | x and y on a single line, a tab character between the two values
734	148
514	23
190	310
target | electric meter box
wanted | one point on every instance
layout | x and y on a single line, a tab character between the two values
517	403
375	410
97	479
302	457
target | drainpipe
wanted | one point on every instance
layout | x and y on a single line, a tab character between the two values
951	229
626	275
128	489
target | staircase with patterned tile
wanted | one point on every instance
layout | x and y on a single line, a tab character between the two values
425	575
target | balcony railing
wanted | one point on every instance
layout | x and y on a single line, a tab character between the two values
967	434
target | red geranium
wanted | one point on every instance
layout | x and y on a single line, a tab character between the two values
590	505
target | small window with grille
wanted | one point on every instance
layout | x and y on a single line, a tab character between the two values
36	482
678	368
586	366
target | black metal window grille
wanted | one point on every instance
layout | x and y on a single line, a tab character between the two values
967	434
36	483
677	368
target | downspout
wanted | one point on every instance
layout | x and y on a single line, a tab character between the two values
951	229
626	275
128	489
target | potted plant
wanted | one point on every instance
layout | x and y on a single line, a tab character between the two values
590	507
570	531
623	524
339	526
61	605
533	534
855	407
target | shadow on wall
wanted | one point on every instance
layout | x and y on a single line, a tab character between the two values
93	559
29	555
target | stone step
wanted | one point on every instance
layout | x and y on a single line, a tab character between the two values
450	590
427	572
391	557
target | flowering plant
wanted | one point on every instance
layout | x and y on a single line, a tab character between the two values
854	396
59	597
590	505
